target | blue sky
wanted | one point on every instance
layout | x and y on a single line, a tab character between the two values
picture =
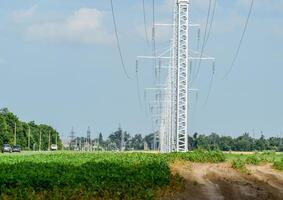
59	65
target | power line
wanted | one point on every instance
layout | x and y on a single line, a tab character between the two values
145	21
118	41
153	39
138	84
241	41
204	38
211	22
210	84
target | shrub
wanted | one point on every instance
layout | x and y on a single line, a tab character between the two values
239	164
278	165
253	160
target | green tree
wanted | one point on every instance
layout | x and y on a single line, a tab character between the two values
116	138
137	142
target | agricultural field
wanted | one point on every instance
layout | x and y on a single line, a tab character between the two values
192	175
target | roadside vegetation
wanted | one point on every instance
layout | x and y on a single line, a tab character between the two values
9	123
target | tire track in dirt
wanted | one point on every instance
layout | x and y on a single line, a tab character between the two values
266	174
221	182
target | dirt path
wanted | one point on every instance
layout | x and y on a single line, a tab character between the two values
221	182
268	175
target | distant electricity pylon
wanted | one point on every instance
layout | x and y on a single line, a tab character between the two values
172	99
88	138
72	137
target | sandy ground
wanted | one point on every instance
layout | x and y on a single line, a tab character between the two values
221	182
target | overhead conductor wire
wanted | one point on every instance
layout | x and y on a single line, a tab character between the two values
138	84
153	39
241	41
213	65
145	21
204	39
210	84
118	41
211	22
154	44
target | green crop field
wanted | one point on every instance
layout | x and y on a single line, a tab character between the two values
74	175
70	175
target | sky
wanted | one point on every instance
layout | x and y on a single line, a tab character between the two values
59	65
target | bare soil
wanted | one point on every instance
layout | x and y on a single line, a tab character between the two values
221	182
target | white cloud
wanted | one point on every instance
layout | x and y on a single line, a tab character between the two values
22	15
83	26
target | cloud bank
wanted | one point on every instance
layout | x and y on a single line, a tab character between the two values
83	26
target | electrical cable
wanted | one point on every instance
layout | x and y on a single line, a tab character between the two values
204	39
145	100
118	41
145	21
138	84
211	22
213	65
210	85
240	42
198	39
153	39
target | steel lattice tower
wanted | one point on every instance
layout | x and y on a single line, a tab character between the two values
182	54
174	116
174	125
88	137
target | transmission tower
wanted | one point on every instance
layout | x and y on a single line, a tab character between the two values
72	137
88	138
180	55
172	104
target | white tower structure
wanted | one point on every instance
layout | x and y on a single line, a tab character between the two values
174	117
182	53
174	123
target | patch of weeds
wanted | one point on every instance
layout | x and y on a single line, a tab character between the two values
239	164
278	165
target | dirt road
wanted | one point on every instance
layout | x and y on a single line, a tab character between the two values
221	182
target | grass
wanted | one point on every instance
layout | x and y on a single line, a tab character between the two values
278	165
239	161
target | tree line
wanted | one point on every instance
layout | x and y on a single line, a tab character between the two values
29	135
196	141
112	143
242	143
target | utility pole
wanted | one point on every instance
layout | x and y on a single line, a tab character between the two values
281	139
28	137
122	138
39	140
62	139
56	140
88	138
154	140
72	137
15	134
49	141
